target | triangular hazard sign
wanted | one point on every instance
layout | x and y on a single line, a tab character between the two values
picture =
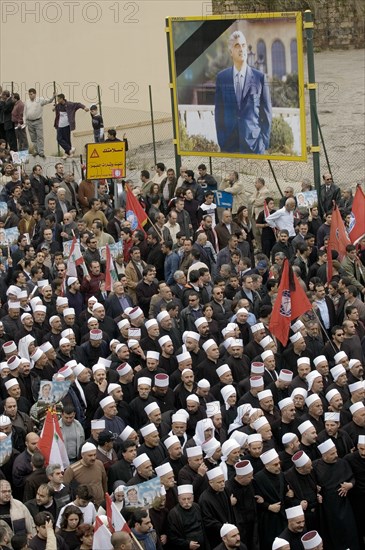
94	154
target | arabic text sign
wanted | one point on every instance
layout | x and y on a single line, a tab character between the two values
105	160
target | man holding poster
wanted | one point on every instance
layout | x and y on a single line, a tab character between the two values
242	104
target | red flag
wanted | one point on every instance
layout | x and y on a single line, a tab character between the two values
338	237
357	222
116	520
291	302
266	210
135	213
75	258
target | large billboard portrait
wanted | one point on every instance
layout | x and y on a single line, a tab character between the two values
238	85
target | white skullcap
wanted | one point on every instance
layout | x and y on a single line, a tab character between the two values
296	337
240	437
61	301
257	368
135	313
203	383
326	446
161	380
294	512
331	417
356	386
208	344
123	369
285	402
356	407
256	381
319	359
304	426
229	446
87	448
254	438
361	440
153	355
177	417
163	340
162	315
297	325
111	387
286	375
269	456
266	354
163	469
36	355
98	367
227	391
312	399
300	459
200	321
10	383
311	540
41	308
331	394
260	422
214	472
78	369
132	342
64	341
150	323
123	323
9	347
96	334
287	438
194	451
243	468
340	355
107	401
299	391
337	371
209	447
24	316
264	394
266	341
151	407
228	342
311	376
185	489
98	424
14	305
183	357
68	311
14	362
126	433
67	332
147	430
222	370
141	459
257	327
65	371
144	380
303	361
193	397
353	362
226	528
279	543
172	440
242	310
213	408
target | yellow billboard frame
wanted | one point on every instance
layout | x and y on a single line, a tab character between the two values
297	16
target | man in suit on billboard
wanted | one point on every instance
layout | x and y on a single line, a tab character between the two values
242	104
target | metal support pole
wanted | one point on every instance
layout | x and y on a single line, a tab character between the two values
12	87
175	124
153	125
99	101
55	103
312	87
210	165
275	179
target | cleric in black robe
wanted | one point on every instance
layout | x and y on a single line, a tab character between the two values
357	494
270	485
245	509
192	473
185	522
231	538
335	478
300	478
215	506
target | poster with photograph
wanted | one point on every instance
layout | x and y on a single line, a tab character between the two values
53	392
306	199
238	85
6	448
143	494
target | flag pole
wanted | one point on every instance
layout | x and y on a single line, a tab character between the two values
323	329
136	540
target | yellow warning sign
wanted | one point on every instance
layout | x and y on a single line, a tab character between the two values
105	160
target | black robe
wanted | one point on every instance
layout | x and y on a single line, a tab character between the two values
293	538
187	476
185	526
339	527
272	489
357	494
216	509
245	513
304	487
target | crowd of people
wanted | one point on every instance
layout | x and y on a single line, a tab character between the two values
174	372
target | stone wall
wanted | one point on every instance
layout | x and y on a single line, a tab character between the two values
339	24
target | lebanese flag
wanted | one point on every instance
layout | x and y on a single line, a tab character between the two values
101	539
291	302
75	259
357	222
51	443
135	213
110	272
116	520
338	236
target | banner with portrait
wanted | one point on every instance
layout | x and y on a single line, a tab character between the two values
238	85
143	494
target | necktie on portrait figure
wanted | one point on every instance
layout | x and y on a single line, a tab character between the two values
239	88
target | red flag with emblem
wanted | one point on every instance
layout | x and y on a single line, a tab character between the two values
134	211
291	303
357	222
339	238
